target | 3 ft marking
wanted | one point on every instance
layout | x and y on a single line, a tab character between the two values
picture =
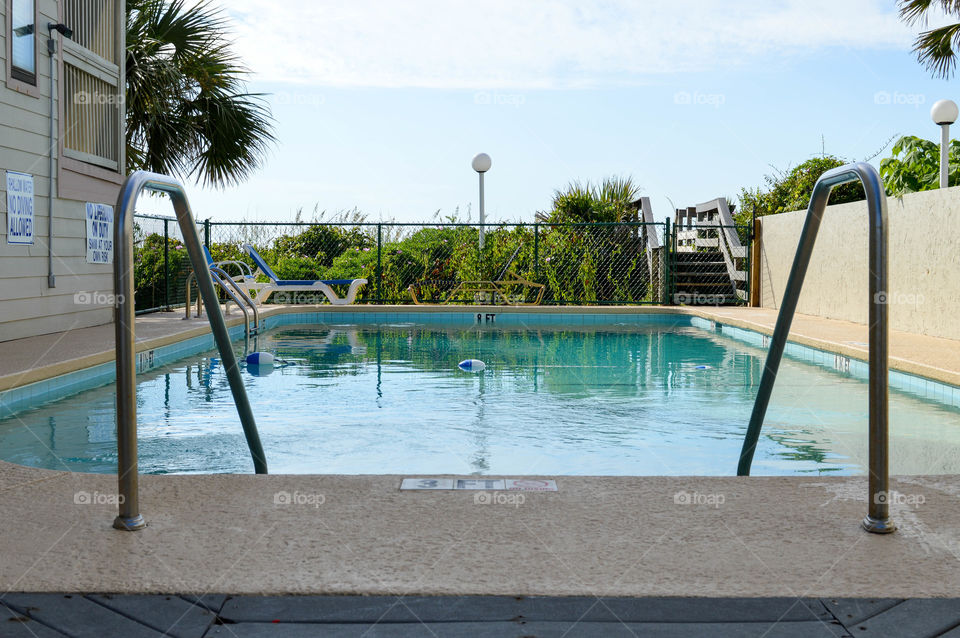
488	317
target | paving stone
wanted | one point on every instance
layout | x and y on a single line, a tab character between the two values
13	624
213	602
369	608
953	633
170	615
527	630
917	618
693	610
506	608
851	611
76	616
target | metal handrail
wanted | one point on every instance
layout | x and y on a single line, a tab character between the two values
129	517
217	279
878	516
225	281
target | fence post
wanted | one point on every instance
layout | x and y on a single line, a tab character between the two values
536	251
379	263
667	263
756	237
206	233
166	265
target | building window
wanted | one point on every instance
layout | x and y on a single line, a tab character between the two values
23	41
92	87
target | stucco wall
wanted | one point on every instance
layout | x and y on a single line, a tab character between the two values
924	234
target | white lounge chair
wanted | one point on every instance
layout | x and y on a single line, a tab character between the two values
292	285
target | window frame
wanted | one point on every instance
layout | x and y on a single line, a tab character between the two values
78	179
18	79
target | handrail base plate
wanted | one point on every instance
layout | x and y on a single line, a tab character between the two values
878	525
129	524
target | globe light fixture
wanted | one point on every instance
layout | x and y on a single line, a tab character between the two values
944	113
481	164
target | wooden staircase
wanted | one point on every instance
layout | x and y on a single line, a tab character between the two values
709	264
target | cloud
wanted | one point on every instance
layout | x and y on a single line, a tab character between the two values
541	43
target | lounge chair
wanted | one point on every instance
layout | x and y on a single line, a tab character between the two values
264	290
495	292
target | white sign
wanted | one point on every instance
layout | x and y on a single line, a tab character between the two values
19	208
426	484
99	234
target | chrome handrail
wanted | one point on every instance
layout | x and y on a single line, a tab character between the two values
878	515
246	315
129	517
225	281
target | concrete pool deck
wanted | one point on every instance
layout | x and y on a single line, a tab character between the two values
596	536
795	537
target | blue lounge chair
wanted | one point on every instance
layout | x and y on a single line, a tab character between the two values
292	285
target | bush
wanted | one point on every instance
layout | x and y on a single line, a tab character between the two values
914	166
787	191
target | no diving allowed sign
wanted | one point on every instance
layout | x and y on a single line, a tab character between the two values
505	485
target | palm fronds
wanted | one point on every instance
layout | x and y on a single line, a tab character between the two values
936	49
188	111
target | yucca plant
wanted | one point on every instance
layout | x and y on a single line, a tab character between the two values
187	110
585	202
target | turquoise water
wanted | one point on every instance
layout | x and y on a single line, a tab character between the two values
648	399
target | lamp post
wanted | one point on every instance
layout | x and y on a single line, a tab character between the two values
944	113
481	164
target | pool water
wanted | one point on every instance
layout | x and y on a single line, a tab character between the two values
649	399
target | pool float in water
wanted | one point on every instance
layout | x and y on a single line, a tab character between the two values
472	365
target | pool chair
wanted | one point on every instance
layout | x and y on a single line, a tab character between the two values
296	285
508	288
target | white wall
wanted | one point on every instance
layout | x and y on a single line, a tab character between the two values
924	262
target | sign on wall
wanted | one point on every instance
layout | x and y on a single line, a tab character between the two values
99	234
19	208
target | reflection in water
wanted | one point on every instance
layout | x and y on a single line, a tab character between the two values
654	399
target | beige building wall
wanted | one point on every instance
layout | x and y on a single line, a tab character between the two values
28	305
924	262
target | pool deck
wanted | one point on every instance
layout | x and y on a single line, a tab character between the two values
793	537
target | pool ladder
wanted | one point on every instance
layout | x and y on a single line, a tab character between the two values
878	514
235	293
129	517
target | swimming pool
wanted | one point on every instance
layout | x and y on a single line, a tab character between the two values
648	395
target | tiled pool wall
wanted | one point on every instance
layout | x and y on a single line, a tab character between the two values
902	381
16	399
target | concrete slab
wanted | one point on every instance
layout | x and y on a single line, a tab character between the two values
598	536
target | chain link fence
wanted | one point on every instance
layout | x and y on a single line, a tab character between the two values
550	264
161	263
710	265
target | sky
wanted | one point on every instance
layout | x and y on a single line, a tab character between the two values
381	106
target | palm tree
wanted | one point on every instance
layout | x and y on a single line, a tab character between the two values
935	48
188	113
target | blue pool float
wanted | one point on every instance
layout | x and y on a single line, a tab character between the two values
472	365
260	359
